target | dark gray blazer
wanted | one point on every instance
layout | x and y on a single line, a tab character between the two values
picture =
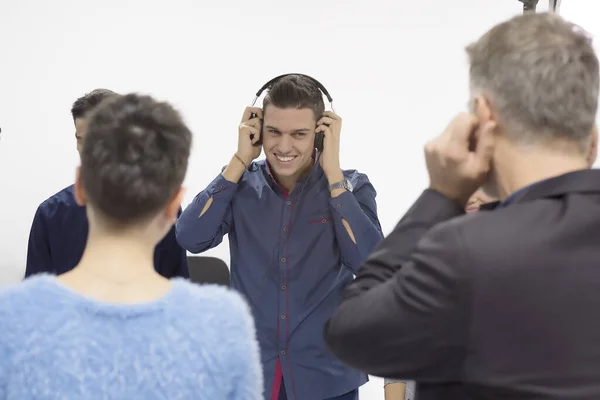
502	304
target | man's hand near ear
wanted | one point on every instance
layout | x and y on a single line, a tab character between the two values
459	159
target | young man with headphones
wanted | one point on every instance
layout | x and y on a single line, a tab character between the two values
299	227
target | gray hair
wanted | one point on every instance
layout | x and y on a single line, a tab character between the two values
540	73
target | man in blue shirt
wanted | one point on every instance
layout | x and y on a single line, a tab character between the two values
299	227
60	226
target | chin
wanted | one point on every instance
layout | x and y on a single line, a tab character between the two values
283	171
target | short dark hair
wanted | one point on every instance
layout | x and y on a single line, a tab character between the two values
296	91
134	157
88	101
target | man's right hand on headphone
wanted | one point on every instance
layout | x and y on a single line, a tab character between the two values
249	134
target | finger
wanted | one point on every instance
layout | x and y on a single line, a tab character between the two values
323	128
331	114
462	127
248	130
255	137
253	134
326	121
252	110
255	122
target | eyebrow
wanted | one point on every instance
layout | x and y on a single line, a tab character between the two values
278	130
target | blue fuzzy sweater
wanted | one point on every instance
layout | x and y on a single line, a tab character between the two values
196	342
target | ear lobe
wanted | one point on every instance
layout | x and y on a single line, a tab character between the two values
78	190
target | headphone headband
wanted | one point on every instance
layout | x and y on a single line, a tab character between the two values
319	136
316	82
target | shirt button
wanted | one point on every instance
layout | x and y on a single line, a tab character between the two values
323	220
282	316
219	186
339	206
285	228
288	202
283	287
282	352
283	259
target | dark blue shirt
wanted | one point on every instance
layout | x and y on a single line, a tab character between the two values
291	258
512	197
59	234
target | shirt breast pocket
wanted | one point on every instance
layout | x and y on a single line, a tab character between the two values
318	219
314	233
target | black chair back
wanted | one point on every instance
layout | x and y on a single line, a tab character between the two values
208	270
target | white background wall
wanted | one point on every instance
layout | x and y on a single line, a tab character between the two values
395	68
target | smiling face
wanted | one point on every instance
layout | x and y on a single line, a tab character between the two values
288	140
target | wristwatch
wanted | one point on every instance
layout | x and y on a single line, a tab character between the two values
345	184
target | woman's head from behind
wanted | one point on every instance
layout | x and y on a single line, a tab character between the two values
133	162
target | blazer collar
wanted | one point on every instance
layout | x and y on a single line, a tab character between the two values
583	181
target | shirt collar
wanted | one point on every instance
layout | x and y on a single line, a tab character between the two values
489	206
510	199
513	196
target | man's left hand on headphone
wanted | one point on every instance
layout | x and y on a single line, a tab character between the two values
331	126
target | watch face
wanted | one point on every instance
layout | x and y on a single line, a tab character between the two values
349	185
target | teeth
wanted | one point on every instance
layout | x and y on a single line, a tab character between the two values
285	159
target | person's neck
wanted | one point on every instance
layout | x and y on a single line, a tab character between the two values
289	182
527	166
117	269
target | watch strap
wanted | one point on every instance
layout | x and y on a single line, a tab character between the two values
339	185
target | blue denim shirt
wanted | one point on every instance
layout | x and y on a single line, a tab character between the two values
291	258
59	234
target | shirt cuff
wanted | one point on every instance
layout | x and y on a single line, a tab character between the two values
346	205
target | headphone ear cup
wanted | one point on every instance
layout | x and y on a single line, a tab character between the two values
319	141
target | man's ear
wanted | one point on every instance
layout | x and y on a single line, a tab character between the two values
79	192
483	109
593	147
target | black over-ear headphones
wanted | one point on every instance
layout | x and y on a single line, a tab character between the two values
319	136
